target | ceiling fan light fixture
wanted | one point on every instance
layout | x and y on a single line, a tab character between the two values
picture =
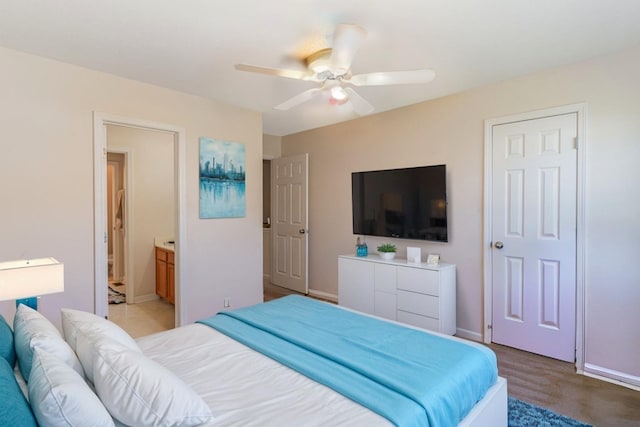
338	95
330	69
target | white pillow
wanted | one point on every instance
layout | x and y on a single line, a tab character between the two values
93	327
33	330
60	397
140	392
75	320
86	339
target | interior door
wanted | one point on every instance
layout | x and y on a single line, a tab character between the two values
534	235
289	204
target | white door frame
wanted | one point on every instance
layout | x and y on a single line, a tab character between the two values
100	121
581	111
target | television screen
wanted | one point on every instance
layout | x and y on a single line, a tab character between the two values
409	203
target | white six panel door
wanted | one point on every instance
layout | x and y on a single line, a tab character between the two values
534	235
289	243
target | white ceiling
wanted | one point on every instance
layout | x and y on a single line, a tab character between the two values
193	45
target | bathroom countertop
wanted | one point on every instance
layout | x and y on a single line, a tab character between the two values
166	243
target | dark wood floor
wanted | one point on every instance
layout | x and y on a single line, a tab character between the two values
554	385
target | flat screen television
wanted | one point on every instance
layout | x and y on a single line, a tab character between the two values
408	203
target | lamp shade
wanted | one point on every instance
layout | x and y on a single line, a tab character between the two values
29	278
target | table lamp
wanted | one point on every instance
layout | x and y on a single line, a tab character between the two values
26	280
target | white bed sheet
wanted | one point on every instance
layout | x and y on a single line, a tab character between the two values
245	388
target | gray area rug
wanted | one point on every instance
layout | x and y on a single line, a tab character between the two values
523	414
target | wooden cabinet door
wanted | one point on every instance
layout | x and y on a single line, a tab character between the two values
161	273
171	293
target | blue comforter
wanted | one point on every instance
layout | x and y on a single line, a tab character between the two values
408	376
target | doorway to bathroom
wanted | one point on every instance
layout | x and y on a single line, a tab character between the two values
136	205
142	218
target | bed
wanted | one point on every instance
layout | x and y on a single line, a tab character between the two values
213	372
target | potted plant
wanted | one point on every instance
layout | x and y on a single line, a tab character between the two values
387	251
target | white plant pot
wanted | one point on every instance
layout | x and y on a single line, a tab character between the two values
387	255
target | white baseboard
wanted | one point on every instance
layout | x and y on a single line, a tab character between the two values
324	295
145	298
468	335
609	375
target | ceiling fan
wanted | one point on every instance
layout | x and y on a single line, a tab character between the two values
331	69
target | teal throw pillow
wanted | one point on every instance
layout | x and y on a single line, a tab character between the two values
7	350
14	408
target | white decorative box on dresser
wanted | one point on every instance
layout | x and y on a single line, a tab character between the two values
416	294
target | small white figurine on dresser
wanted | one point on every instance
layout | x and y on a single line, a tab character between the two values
414	255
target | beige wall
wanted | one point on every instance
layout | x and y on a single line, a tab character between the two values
272	146
450	130
47	172
151	165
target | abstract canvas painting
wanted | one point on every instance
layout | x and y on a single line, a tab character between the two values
222	179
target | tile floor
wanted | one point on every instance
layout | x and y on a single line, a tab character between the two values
156	316
143	318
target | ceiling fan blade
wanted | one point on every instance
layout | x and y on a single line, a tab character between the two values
290	74
359	104
299	99
346	42
392	78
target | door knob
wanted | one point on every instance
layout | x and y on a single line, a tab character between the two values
302	231
498	245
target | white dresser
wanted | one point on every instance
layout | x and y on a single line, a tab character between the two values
417	294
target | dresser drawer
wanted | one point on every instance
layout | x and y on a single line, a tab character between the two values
419	321
424	305
384	305
418	280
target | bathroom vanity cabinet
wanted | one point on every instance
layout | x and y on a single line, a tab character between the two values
165	274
